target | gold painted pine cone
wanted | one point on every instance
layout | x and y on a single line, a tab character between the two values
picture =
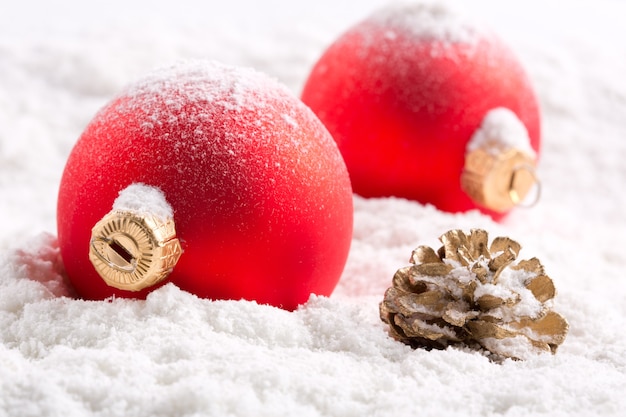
469	293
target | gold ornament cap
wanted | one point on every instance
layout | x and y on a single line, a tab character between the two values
499	179
132	250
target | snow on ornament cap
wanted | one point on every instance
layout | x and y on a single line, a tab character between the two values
474	294
134	246
500	164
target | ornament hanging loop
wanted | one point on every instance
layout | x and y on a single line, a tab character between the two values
113	254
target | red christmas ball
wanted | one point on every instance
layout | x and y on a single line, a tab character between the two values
405	91
256	187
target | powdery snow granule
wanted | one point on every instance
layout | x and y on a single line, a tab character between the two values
174	354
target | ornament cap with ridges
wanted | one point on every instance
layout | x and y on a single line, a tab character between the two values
499	180
132	250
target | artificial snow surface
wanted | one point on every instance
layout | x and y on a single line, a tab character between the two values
175	354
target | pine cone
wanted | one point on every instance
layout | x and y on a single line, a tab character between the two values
471	294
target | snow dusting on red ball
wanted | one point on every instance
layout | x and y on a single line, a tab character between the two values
404	91
260	195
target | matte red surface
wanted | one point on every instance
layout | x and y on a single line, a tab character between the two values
262	205
403	109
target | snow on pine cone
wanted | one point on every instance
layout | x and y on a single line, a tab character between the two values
474	294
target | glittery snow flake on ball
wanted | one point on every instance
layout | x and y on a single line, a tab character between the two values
474	294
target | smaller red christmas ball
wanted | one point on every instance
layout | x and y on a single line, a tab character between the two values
213	177
409	92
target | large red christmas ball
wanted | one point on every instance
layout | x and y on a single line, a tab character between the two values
404	92
260	196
